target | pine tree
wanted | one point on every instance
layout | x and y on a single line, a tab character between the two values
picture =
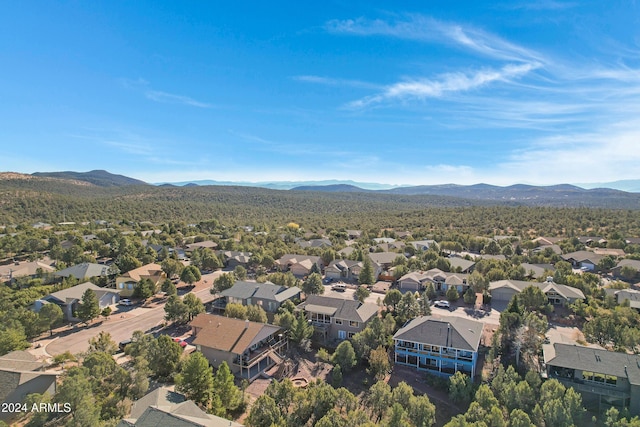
366	276
196	380
89	308
224	386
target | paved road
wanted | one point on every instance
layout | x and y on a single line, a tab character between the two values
139	318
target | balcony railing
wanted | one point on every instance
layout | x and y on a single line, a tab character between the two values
591	387
258	354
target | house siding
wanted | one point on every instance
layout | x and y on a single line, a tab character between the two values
441	361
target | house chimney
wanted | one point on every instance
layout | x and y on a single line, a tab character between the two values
246	324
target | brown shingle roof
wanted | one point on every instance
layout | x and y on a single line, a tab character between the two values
228	334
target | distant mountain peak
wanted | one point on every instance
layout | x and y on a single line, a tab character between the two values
99	177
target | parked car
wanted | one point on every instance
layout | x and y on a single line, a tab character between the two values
442	304
123	344
180	341
125	302
340	287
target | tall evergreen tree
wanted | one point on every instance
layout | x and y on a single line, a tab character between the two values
89	309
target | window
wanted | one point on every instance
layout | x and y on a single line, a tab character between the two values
354	324
342	335
595	377
351	334
129	285
338	321
121	285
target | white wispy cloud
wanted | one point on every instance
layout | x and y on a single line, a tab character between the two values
328	81
144	87
446	83
541	5
170	98
428	29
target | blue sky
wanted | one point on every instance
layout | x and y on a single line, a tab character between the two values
538	92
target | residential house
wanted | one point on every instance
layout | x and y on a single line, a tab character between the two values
423	245
87	270
417	281
631	263
266	295
504	290
179	253
461	265
249	348
631	295
21	374
24	269
548	250
126	282
379	240
314	243
441	346
616	253
547	241
69	299
299	265
354	234
586	259
205	244
232	259
343	269
163	407
632	240
384	259
590	240
537	271
346	251
336	319
603	378
389	247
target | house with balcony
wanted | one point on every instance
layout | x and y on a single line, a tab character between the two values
249	348
603	378
337	319
266	295
440	346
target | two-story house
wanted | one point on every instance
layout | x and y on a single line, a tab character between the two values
126	282
603	378
336	319
266	295
299	265
441	346
343	269
249	348
417	281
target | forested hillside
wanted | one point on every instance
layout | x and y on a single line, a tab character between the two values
51	200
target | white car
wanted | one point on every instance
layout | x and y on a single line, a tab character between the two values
125	301
442	304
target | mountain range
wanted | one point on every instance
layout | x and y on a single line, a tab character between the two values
519	194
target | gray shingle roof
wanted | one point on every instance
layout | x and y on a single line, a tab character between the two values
606	362
453	332
266	291
163	407
344	308
520	285
83	270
